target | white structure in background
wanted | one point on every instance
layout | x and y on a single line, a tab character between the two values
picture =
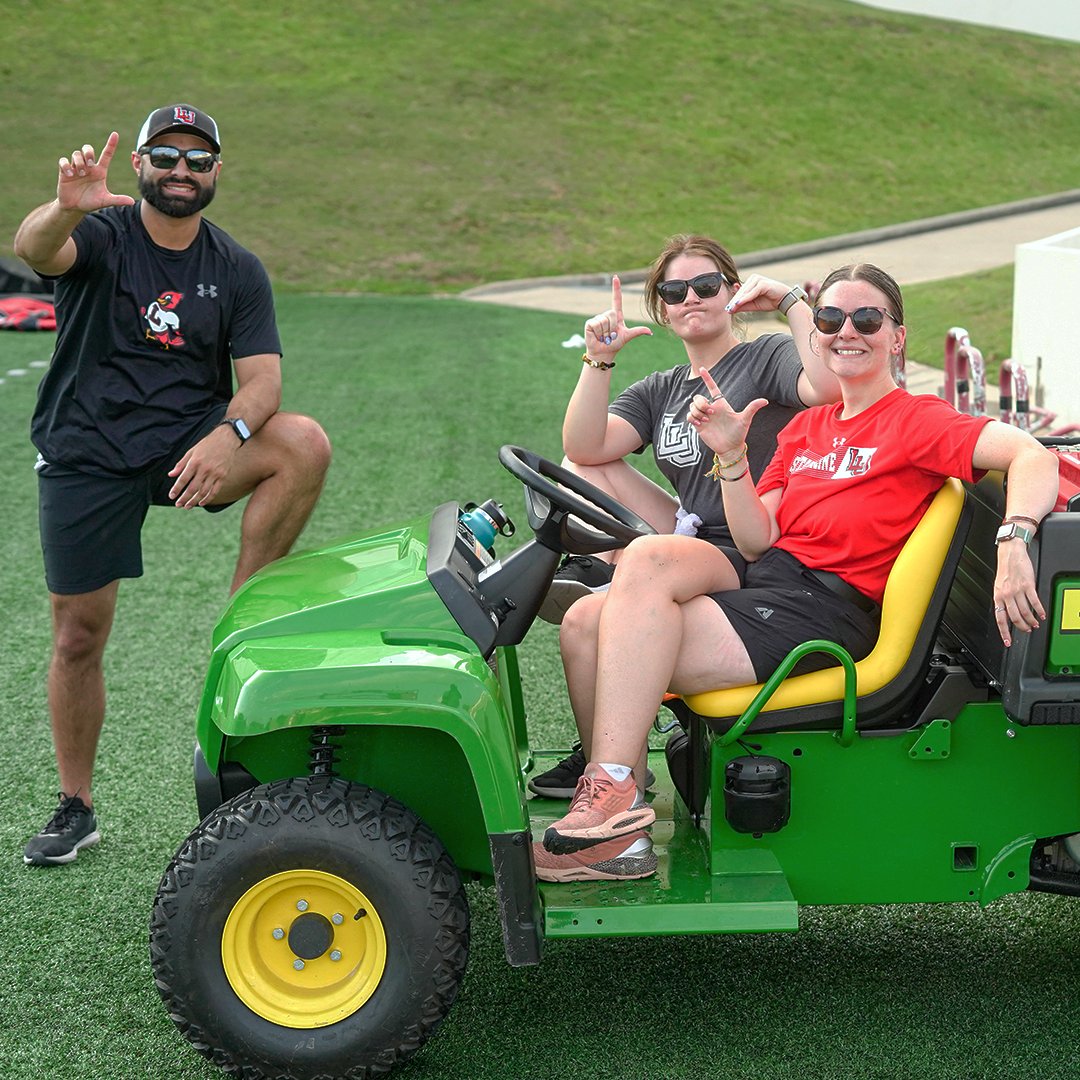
1051	18
1046	285
1046	319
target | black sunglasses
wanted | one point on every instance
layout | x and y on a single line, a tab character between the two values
866	320
168	157
705	285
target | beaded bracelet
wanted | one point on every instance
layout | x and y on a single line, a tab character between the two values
717	465
600	365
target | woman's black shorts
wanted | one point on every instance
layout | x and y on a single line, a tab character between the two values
782	604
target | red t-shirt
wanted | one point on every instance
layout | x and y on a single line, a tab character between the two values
855	489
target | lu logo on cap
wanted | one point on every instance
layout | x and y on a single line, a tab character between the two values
181	117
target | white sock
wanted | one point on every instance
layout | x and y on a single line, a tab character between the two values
616	772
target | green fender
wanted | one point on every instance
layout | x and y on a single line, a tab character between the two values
427	721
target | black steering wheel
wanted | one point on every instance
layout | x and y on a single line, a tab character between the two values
553	494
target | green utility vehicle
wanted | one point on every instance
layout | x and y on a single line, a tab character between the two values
362	749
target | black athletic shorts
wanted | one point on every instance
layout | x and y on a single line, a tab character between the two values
91	526
782	604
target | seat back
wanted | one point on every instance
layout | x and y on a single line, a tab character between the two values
914	601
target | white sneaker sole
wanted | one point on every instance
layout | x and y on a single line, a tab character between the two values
89	840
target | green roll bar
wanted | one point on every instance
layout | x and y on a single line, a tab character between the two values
845	736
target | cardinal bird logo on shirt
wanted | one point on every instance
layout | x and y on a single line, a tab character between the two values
163	324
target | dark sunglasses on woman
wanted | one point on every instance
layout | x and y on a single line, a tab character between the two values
866	320
705	285
168	157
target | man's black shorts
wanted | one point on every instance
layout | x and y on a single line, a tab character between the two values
91	526
782	604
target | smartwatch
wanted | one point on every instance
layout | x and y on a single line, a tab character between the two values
243	433
1010	530
790	299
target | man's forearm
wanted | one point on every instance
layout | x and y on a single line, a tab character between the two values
258	395
43	235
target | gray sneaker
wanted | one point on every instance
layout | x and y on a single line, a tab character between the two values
72	828
578	576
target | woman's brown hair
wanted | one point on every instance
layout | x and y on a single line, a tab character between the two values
685	244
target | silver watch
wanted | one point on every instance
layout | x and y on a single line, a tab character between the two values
1010	530
790	299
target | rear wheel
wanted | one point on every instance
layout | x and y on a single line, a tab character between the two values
310	928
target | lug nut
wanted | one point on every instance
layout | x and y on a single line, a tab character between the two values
301	905
278	933
298	964
336	954
337	918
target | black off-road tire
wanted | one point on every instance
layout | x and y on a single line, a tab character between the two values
359	835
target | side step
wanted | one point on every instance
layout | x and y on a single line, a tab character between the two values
749	895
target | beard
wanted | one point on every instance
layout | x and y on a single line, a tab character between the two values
172	205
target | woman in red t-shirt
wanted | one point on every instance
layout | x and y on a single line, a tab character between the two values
820	531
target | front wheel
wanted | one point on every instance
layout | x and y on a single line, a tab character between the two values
310	928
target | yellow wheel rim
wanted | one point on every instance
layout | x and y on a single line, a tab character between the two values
303	948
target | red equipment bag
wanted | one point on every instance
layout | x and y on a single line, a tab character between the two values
26	313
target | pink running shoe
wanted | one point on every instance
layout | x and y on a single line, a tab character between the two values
609	860
602	808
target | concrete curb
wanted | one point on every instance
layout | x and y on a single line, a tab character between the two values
806	248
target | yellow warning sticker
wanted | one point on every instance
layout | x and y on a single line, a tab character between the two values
1070	609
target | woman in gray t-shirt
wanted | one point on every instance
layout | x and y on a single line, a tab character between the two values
688	289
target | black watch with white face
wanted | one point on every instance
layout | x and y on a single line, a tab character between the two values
1010	530
243	433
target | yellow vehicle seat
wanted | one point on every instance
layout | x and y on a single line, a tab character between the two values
914	601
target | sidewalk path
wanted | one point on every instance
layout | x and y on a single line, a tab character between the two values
928	250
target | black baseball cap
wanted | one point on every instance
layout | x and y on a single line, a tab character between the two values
184	118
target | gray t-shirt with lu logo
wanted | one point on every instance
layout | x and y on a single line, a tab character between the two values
656	407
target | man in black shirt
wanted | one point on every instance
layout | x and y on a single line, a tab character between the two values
156	309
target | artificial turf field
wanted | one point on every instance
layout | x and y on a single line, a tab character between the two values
417	396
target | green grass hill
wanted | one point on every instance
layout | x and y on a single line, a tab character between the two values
427	146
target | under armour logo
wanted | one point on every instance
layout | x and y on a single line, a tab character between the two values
764	612
838	442
207	290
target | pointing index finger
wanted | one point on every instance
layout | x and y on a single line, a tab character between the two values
710	384
108	150
616	296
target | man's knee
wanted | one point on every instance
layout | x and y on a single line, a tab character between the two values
81	628
308	445
292	447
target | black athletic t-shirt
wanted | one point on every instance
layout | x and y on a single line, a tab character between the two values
144	340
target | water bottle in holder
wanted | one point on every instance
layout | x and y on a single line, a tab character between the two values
485	520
